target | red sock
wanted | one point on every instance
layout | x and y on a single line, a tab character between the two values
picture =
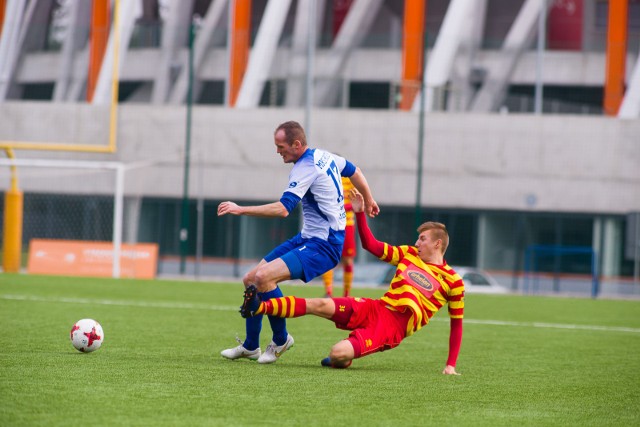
283	307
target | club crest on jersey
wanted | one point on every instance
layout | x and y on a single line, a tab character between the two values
421	280
293	184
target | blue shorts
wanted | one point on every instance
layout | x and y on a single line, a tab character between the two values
307	258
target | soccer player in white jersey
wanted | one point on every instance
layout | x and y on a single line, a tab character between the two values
314	180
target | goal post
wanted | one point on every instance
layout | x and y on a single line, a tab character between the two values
51	182
552	255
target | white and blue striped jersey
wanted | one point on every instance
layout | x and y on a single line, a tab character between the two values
315	179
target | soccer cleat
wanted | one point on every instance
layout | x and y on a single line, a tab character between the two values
274	351
250	297
240	352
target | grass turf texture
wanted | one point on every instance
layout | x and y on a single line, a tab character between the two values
160	362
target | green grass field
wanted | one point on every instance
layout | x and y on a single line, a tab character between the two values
524	361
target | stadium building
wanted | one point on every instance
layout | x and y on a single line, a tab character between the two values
515	122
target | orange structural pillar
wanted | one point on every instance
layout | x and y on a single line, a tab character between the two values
99	37
239	48
12	231
616	56
412	51
3	6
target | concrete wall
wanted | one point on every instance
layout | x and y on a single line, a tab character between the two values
362	65
515	162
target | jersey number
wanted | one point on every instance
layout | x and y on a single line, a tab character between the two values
334	172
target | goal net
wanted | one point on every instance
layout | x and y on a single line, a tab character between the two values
561	269
73	218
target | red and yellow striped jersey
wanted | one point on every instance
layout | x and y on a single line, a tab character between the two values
420	287
347	186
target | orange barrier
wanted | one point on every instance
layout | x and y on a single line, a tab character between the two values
95	259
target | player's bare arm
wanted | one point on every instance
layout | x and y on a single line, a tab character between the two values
275	209
360	182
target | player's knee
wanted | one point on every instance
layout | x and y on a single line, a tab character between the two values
321	307
263	280
259	277
342	352
248	279
324	305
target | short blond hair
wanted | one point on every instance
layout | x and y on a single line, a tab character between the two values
439	232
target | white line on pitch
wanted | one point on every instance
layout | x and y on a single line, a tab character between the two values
192	306
547	325
124	303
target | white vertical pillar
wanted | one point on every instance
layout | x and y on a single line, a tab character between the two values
10	43
200	47
129	11
540	48
482	243
305	30
77	31
118	206
607	235
175	31
440	63
630	107
460	81
263	53
353	30
520	35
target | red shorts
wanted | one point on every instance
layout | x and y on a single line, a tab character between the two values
374	327
349	248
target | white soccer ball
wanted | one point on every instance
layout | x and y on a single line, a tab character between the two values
87	335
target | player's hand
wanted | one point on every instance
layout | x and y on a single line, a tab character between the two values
357	201
229	208
450	370
372	208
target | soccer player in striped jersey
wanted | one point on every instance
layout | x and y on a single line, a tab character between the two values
422	285
315	181
348	250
